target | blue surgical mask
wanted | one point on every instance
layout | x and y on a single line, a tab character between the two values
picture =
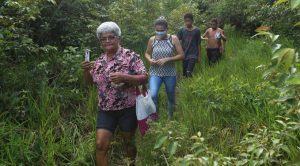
160	34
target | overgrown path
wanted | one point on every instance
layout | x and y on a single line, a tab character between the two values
226	103
223	102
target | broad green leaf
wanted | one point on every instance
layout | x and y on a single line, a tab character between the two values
279	2
281	122
297	24
295	3
172	148
263	33
276	141
244	154
215	163
269	73
259	151
242	162
199	134
196	145
294	80
199	151
276	47
160	142
286	149
284	98
268	34
250	148
285	57
274	37
52	1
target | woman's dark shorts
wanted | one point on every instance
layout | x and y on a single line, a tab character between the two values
110	120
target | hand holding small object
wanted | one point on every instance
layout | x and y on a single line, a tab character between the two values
153	62
162	61
87	55
85	65
118	77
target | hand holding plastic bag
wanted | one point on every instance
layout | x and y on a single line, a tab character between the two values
145	111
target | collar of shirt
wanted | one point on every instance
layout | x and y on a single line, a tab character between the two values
117	54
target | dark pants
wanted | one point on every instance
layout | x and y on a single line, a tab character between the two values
213	55
188	67
110	120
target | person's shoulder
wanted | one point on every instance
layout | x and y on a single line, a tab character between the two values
99	61
100	58
152	38
130	53
197	29
182	28
220	29
208	30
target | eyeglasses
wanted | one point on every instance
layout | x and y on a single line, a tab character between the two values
107	39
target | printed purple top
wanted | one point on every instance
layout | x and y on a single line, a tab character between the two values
110	96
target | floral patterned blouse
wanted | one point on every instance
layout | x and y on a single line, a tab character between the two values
112	97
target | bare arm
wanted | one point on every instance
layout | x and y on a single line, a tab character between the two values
179	50
224	39
139	74
223	36
136	80
139	78
204	36
148	52
132	80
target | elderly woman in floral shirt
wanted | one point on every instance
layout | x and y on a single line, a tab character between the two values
116	73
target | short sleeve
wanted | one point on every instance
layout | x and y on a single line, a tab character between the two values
179	34
137	66
199	36
94	70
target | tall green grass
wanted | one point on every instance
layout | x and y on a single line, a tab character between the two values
229	96
48	134
224	102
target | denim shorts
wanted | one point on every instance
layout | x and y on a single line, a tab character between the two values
124	119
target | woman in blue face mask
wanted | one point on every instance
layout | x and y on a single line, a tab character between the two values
162	51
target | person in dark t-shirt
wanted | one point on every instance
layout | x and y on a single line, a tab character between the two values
190	38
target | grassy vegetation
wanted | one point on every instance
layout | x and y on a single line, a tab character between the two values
226	114
224	103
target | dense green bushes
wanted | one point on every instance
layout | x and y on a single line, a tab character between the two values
41	45
249	14
47	115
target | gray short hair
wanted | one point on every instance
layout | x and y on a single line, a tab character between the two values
108	27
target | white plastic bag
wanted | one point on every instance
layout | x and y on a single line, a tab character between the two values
145	109
144	106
